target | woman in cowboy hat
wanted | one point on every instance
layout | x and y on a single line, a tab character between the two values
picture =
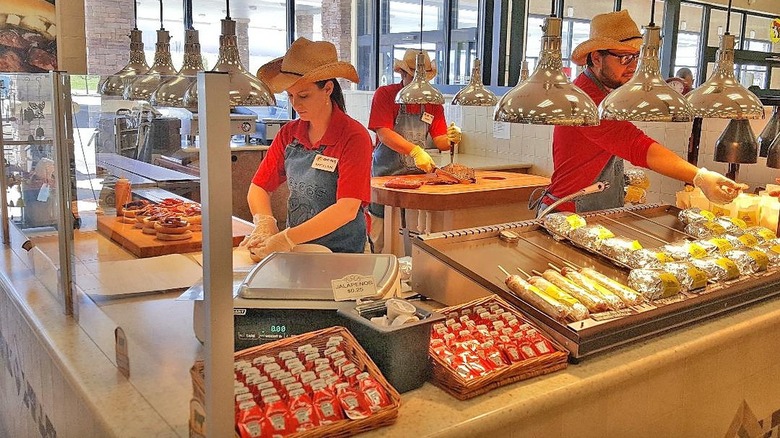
404	132
584	155
324	155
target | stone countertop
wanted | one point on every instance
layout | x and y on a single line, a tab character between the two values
163	347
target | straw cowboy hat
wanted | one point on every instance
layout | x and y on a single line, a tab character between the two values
306	60
612	31
409	63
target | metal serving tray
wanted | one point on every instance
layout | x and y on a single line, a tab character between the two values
308	276
457	266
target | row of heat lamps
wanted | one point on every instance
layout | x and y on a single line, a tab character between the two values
162	85
546	97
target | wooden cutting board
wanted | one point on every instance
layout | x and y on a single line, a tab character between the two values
491	188
146	245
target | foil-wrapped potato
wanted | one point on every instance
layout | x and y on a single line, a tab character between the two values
619	248
591	236
561	224
772	252
748	261
705	230
732	225
689	276
763	234
695	214
648	259
719	268
654	283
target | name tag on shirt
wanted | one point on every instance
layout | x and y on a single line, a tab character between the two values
427	117
322	162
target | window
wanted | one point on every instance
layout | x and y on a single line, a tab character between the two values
718	26
577	15
687	52
463	44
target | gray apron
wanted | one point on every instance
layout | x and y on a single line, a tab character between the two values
386	162
313	190
612	173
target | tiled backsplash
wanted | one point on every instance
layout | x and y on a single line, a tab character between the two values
533	143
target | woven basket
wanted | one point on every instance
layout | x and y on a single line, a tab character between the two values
447	379
384	417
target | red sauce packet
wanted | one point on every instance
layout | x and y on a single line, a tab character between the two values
353	402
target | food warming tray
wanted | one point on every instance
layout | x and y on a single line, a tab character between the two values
457	266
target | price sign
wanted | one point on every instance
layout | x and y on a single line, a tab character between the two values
352	287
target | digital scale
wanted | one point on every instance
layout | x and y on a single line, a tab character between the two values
290	293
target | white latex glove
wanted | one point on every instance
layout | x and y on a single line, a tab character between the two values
716	187
265	227
279	242
454	134
422	159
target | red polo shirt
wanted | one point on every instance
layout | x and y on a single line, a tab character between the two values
384	111
345	139
580	153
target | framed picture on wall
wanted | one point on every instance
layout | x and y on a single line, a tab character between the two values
28	36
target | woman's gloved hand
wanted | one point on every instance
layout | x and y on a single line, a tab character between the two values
454	134
265	227
716	187
279	242
422	159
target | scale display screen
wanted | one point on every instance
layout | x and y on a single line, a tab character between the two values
257	326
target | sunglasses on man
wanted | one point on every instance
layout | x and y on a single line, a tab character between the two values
622	59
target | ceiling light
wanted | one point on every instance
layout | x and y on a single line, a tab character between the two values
769	133
419	91
722	96
737	144
773	153
114	85
171	92
142	87
475	93
646	97
245	89
547	97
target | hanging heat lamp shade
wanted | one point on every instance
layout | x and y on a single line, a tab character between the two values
114	85
773	153
547	97
245	89
646	97
142	86
737	144
722	96
475	93
769	133
419	91
171	92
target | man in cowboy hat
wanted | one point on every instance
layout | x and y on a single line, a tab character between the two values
585	155
404	132
324	155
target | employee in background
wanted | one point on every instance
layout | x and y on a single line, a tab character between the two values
585	155
405	133
683	81
324	155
